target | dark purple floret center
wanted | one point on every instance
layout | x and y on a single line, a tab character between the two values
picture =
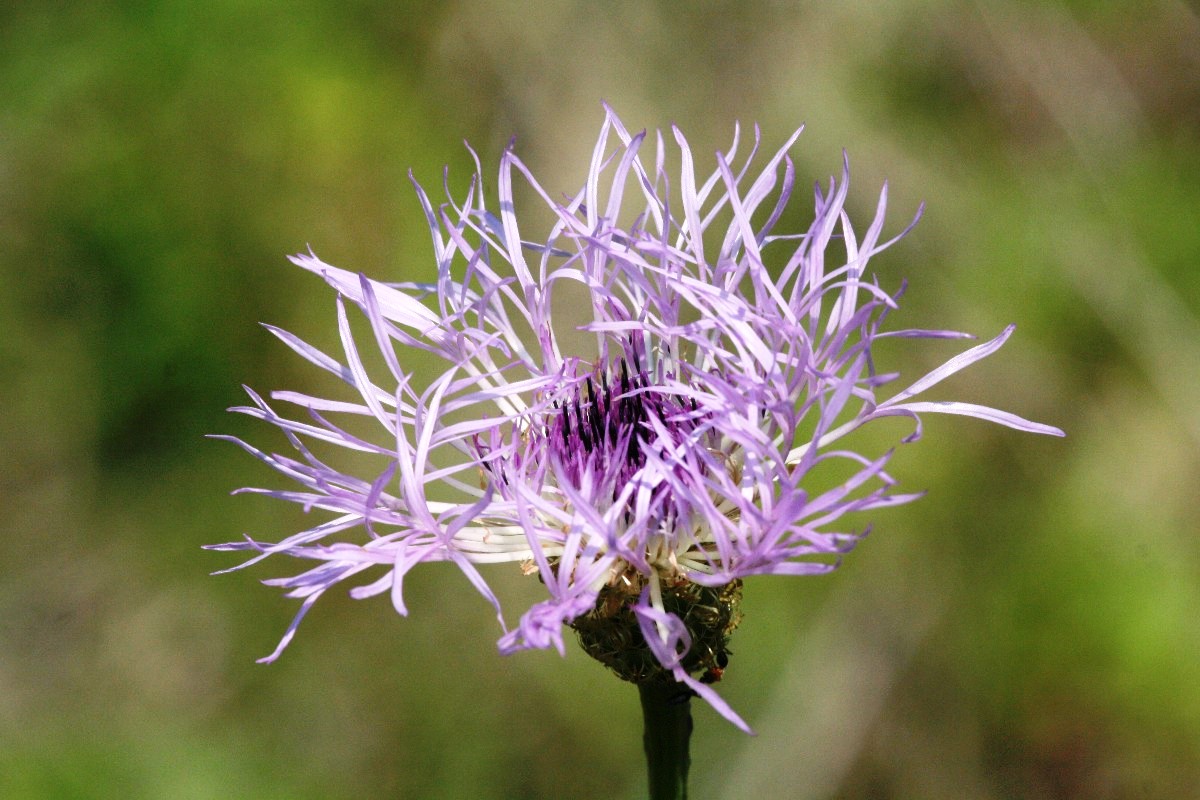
609	424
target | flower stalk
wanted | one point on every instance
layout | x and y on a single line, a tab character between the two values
667	716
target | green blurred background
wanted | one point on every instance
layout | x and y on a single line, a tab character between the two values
1031	629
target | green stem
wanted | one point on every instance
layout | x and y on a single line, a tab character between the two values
667	713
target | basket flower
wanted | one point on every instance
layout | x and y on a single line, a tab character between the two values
636	403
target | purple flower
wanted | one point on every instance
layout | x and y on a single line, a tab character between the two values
634	405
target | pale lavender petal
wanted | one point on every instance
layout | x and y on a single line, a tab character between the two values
959	362
972	410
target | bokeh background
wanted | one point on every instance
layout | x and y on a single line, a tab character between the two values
1031	629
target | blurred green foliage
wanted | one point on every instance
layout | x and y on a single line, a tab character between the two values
1031	629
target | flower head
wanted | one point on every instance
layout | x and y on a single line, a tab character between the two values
642	447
